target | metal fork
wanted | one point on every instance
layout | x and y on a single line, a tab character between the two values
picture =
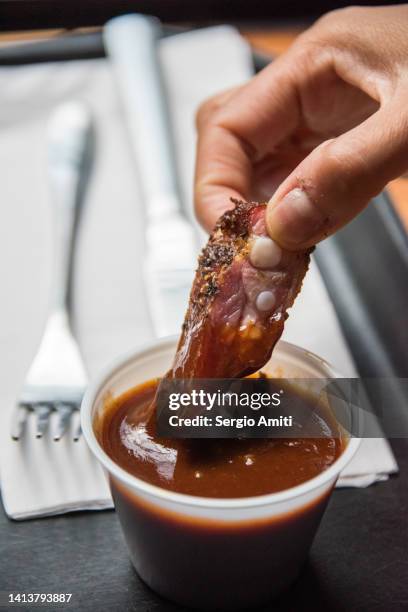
56	379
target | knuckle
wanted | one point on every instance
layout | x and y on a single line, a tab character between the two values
346	160
207	110
310	52
210	110
340	16
336	154
335	28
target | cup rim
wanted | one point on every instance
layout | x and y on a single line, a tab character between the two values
193	500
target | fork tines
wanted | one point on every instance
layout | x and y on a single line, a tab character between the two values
52	409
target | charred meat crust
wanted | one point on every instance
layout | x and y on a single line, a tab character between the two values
224	244
235	221
215	340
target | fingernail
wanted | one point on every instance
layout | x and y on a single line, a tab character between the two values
295	219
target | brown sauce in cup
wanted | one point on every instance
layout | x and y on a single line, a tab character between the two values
218	468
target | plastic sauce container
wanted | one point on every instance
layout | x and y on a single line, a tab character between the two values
212	553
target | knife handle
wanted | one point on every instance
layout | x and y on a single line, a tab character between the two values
131	44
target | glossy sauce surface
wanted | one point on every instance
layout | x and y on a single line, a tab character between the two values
222	468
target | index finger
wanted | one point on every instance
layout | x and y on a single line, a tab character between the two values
242	127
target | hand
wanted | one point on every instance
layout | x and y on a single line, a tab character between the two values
322	129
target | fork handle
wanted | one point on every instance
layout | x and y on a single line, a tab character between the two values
69	147
64	215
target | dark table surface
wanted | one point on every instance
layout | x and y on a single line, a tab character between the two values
359	560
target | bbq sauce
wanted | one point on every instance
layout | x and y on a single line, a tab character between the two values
218	468
209	563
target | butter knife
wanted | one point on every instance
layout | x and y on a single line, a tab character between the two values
171	248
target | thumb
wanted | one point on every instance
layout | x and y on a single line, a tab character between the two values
336	181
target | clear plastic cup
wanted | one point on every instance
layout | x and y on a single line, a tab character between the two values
209	553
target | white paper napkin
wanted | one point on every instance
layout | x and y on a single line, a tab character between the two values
110	315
